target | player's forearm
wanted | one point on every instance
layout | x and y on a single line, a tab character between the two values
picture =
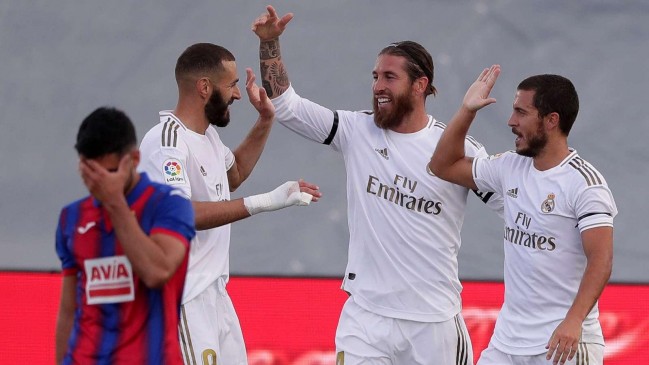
215	214
63	330
148	259
65	317
273	73
450	147
449	161
248	152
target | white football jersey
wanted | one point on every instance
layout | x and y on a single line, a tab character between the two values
545	213
404	223
196	164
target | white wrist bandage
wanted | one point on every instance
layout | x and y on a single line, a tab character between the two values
283	196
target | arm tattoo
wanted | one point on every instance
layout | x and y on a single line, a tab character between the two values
274	77
269	49
279	77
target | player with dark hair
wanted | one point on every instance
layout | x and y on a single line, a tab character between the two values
558	234
124	252
183	150
402	271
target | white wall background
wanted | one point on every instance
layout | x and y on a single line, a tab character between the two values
60	60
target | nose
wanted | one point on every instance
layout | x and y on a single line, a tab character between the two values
512	121
377	86
236	93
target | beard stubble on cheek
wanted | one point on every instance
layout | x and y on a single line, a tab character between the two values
535	143
393	118
216	110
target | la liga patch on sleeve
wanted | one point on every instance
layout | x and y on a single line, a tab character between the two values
173	172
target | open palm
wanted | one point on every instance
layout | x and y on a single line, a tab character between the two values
477	97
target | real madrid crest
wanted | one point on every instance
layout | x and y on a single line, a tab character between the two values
548	204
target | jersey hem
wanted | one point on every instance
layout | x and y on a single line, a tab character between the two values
410	316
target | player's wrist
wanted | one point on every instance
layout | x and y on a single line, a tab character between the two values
283	196
257	203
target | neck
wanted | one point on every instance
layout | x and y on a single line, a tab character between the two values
192	114
135	178
413	121
552	155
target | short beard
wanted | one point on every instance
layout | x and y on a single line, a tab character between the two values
535	143
390	120
216	110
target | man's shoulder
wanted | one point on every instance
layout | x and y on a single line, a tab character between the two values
581	172
163	195
509	160
79	203
167	134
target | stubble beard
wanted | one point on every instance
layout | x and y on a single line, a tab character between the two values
402	106
535	143
216	110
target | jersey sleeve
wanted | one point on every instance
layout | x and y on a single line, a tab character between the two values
175	216
229	158
595	207
491	197
167	165
308	119
68	264
487	172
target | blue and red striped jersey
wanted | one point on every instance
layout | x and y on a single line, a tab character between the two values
118	319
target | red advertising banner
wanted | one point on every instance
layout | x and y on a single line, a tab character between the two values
292	321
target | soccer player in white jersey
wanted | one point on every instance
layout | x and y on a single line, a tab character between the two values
184	150
558	234
402	274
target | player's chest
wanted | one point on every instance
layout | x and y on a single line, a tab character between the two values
538	203
380	164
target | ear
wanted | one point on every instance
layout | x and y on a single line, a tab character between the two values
135	157
552	121
203	86
420	85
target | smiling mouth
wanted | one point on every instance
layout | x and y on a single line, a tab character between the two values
382	100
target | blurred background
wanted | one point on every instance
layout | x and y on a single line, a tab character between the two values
60	60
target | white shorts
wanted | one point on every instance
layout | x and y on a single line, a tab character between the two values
587	354
364	337
209	329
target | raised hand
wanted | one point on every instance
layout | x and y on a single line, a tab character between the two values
269	25
258	97
477	97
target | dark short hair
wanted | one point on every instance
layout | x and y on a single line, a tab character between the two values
419	61
105	131
201	58
554	93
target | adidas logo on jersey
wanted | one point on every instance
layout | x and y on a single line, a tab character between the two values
513	192
383	153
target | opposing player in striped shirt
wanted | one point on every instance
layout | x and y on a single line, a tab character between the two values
124	251
558	234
